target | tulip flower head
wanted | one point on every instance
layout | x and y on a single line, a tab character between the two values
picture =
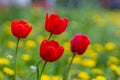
54	24
79	43
50	50
20	29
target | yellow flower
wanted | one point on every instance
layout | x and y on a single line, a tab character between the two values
30	44
8	71
83	75
55	78
96	71
115	68
100	78
91	53
88	62
11	44
76	60
45	77
4	61
110	46
98	47
90	47
26	57
112	60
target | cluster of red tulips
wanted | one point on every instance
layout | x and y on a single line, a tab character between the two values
50	50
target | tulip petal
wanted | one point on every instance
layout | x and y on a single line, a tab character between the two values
50	50
20	29
22	22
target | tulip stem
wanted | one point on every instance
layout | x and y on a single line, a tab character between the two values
43	68
15	59
68	68
37	65
46	61
50	36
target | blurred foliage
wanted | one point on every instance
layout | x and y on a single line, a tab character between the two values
100	61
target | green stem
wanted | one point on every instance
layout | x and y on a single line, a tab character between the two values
43	68
50	36
37	70
37	65
15	59
44	63
69	65
37	73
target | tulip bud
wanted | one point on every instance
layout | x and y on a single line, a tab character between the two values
79	43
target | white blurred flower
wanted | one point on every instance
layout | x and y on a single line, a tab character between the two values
9	56
33	68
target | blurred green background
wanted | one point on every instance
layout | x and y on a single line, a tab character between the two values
100	22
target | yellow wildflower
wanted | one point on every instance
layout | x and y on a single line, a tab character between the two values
55	78
90	47
88	62
26	57
11	44
83	75
91	53
45	77
115	68
98	47
76	60
100	78
110	46
30	44
96	71
8	71
112	60
4	61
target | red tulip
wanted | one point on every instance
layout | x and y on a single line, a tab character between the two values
50	50
54	24
20	29
79	43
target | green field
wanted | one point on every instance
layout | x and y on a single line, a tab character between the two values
101	61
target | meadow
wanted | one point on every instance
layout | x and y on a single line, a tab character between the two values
101	61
